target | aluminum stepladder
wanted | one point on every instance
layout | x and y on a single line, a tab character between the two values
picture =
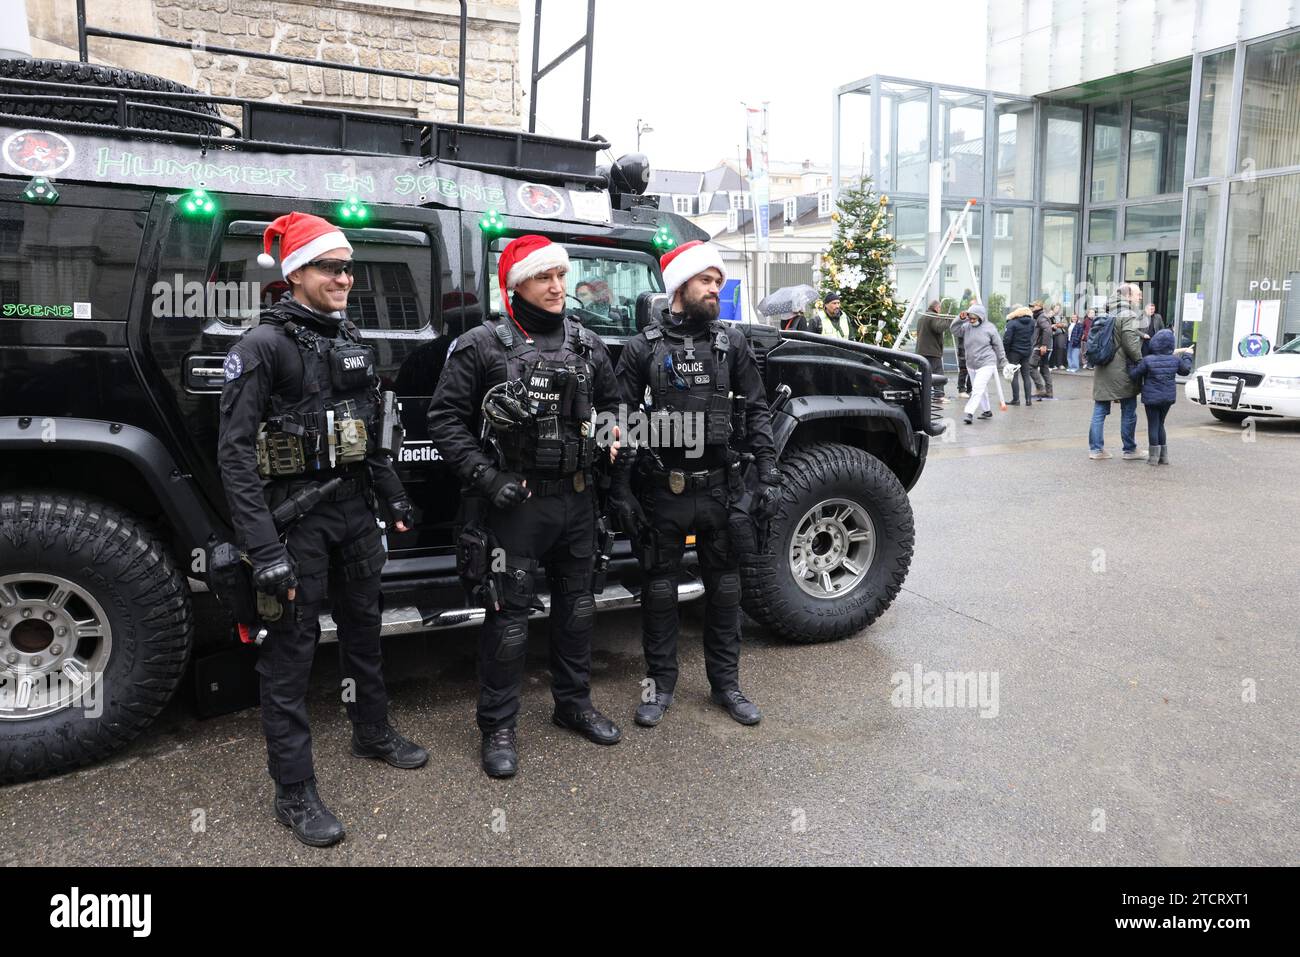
956	234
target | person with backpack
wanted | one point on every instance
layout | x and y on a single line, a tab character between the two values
1018	343
1158	373
1113	342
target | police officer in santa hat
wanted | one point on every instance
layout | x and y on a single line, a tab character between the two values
691	364
513	416
301	406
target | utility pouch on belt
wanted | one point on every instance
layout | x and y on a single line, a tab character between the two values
351	437
474	565
278	453
352	367
391	433
718	419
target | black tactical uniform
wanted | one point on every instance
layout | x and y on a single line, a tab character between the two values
688	366
561	371
295	377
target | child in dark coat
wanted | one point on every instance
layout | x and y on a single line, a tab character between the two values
1157	372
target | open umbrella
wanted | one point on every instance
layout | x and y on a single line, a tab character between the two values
787	300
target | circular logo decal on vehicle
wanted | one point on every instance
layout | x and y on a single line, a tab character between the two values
1253	345
38	152
541	200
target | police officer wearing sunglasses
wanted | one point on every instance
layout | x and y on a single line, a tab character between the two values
301	405
690	365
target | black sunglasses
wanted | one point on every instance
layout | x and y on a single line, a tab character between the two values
333	267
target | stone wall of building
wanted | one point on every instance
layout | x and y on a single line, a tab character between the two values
414	36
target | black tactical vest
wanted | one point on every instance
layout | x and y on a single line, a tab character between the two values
557	438
339	411
692	376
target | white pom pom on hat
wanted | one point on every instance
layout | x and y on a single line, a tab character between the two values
303	237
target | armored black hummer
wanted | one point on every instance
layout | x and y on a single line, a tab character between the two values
131	215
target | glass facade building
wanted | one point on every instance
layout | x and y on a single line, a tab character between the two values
1183	176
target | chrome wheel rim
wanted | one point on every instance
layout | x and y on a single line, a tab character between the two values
832	548
55	640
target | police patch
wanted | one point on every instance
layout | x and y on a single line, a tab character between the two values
234	366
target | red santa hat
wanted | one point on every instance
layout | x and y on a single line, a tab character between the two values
303	237
524	258
687	260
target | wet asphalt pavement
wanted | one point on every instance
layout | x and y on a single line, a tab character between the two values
1134	628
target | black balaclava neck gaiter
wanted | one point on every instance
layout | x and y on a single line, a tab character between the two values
535	321
328	321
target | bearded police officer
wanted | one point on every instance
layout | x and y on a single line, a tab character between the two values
301	405
512	413
690	364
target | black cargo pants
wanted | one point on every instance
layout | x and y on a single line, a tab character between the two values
704	512
557	531
338	555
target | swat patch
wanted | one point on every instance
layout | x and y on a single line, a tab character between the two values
234	366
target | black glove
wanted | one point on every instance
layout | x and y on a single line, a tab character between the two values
767	495
402	511
275	577
627	513
506	491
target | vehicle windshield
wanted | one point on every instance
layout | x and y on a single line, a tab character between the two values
1292	346
602	289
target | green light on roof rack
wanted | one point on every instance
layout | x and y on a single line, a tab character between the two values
664	238
40	190
198	202
492	223
353	211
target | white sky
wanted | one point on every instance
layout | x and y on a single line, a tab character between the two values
686	66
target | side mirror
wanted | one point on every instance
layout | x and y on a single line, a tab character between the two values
650	306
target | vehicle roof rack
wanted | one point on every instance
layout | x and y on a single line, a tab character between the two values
283	127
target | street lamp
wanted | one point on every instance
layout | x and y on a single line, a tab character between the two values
642	128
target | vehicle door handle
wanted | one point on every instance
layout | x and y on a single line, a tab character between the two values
205	373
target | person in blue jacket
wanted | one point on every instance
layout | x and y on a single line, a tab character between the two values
1157	372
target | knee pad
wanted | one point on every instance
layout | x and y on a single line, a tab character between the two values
513	641
727	594
582	613
660	594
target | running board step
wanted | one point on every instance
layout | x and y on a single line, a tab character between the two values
410	620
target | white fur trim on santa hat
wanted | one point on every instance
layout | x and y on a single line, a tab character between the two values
305	254
691	262
550	256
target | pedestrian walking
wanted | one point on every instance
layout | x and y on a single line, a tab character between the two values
984	354
1039	356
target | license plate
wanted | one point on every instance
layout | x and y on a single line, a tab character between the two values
1219	397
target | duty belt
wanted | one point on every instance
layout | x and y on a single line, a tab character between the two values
678	481
577	482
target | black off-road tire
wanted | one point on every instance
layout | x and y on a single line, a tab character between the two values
1223	415
93	77
814	474
116	560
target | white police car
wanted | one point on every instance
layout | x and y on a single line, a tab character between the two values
1266	386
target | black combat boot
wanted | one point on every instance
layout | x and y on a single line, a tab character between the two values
589	723
298	806
381	740
738	706
650	713
499	753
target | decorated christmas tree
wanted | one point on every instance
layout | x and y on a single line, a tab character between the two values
857	265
